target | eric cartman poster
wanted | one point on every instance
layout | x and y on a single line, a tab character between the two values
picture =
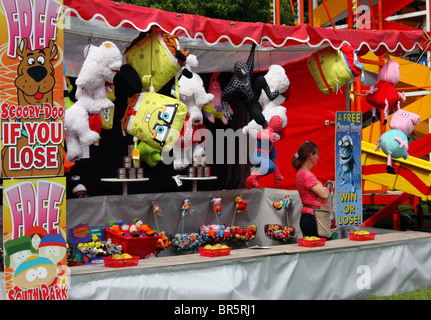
34	238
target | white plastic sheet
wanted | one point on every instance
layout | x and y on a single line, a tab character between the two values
343	273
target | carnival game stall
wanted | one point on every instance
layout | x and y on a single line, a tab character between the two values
161	199
217	46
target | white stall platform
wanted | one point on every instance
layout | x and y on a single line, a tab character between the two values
395	262
342	269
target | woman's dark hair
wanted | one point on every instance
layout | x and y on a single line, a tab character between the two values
304	150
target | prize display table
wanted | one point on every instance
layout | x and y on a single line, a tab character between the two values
195	180
394	262
124	181
334	271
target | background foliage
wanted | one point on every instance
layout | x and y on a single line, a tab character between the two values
237	10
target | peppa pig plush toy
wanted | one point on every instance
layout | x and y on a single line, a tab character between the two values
383	95
217	204
394	143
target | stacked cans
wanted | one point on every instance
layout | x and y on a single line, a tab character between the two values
199	171
130	169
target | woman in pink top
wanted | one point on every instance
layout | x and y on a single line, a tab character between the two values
311	191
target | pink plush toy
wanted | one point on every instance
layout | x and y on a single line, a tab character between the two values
394	143
383	95
217	204
215	110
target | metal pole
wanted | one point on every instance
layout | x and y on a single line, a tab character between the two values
277	12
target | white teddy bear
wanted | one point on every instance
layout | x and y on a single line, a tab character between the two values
277	79
100	66
192	93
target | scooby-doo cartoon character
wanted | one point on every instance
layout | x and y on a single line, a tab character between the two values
35	83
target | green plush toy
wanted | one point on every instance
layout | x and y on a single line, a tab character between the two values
68	101
157	56
149	155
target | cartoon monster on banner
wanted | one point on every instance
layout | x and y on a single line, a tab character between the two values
348	168
32	112
34	213
31	73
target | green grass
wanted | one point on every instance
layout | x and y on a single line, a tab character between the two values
422	294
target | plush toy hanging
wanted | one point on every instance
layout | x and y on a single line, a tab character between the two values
108	114
276	231
154	119
100	66
332	69
283	204
215	233
277	80
217	204
383	95
183	241
215	109
186	208
240	204
164	240
241	234
156	209
240	85
157	57
191	92
265	155
126	84
394	143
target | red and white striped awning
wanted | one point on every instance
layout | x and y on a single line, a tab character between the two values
285	43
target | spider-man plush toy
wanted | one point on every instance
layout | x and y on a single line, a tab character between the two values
241	86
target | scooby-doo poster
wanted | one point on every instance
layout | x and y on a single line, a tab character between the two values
31	95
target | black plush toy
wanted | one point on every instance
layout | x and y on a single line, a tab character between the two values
127	83
241	86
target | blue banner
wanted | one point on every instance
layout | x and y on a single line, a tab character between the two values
348	129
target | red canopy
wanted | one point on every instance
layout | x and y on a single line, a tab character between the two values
214	31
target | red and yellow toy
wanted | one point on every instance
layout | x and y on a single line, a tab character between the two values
241	205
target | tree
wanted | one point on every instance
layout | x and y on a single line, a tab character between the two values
237	10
